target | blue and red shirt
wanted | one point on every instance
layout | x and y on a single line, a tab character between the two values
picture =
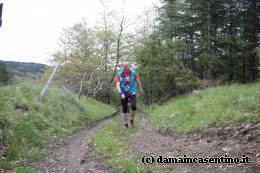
127	81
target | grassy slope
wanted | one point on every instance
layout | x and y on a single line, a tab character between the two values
236	103
225	104
27	125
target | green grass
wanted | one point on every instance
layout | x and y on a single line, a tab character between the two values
111	142
225	104
28	125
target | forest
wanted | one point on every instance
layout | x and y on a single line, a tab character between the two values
176	47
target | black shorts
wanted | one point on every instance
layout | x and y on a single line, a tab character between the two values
132	101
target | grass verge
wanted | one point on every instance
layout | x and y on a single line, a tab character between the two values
193	112
28	125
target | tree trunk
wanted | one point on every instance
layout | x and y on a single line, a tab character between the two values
253	40
118	55
230	58
209	18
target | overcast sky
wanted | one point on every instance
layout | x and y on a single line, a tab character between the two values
31	28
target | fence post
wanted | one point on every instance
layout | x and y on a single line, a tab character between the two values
49	81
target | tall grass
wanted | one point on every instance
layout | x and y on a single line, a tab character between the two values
28	125
225	104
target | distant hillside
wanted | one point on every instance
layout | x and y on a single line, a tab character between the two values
25	70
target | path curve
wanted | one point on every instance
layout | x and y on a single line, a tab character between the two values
75	154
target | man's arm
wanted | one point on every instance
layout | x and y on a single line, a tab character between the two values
119	90
118	87
140	86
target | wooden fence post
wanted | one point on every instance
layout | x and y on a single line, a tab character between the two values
49	81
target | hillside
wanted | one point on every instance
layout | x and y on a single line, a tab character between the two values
28	71
232	104
28	125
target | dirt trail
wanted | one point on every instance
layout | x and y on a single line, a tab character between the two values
149	142
75	155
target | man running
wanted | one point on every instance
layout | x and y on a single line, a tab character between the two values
125	84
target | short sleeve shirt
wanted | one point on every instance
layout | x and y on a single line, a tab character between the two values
126	74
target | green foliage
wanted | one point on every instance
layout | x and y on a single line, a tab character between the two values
98	50
208	65
4	74
226	104
15	80
220	36
186	81
28	125
161	71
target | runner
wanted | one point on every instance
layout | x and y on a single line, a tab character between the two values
125	84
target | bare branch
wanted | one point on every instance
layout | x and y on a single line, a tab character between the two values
81	84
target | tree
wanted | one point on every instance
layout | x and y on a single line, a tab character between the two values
162	74
115	43
95	50
77	54
221	36
4	74
106	36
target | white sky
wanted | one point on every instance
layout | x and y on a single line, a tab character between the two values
31	28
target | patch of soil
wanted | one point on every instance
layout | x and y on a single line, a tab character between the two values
75	154
236	142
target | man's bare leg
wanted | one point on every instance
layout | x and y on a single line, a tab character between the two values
126	117
126	120
132	119
132	114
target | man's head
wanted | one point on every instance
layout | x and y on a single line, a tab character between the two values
125	65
